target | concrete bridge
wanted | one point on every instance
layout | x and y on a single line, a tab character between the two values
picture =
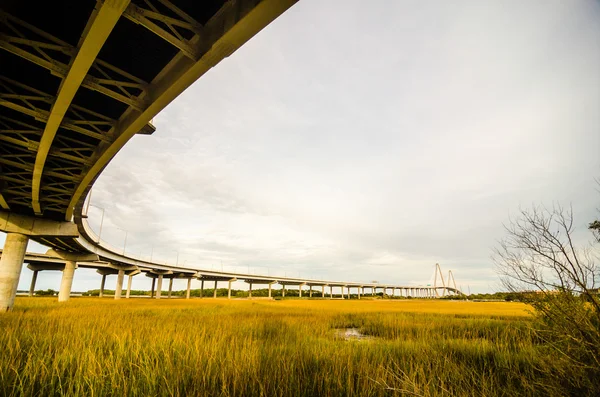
50	261
77	81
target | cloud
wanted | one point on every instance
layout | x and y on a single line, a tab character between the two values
369	142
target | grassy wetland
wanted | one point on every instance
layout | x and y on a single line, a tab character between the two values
208	347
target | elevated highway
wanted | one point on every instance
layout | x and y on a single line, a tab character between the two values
51	261
77	81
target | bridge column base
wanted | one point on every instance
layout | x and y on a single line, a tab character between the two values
33	281
128	293
11	264
119	286
67	281
159	286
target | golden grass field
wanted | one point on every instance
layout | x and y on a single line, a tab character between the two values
208	347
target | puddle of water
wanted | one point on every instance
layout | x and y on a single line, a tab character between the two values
352	334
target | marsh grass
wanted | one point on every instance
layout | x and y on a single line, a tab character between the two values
210	347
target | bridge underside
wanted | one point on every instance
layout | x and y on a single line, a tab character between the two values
79	79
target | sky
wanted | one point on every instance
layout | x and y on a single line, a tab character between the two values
366	141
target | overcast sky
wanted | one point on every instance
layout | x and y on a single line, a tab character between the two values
366	141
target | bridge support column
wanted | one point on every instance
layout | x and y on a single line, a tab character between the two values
159	286
201	288
215	290
170	288
300	291
330	292
310	291
189	286
229	290
67	281
250	290
33	280
153	286
102	283
11	263
283	291
270	284
119	286
128	293
358	291
322	291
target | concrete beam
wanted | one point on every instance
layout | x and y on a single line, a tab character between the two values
98	28
33	280
181	72
73	256
36	227
38	267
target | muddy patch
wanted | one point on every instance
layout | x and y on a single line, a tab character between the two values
352	334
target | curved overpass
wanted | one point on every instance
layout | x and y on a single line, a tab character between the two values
73	94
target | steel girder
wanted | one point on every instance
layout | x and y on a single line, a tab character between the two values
52	153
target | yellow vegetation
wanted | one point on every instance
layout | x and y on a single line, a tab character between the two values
92	346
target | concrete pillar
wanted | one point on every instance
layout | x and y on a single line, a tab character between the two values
322	291
11	264
170	287
373	291
270	289
119	287
201	288
215	290
358	291
128	293
310	291
250	291
153	285
300	291
283	291
330	292
229	290
189	286
33	280
67	281
102	283
342	289
159	286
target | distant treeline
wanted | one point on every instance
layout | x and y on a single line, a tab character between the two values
277	293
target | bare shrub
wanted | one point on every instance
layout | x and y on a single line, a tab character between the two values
538	258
